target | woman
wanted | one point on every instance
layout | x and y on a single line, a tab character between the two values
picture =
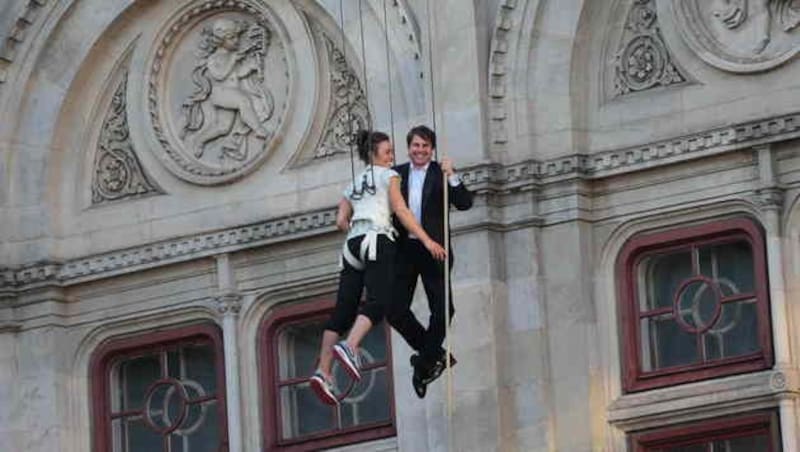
367	258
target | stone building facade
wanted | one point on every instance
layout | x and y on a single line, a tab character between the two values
628	279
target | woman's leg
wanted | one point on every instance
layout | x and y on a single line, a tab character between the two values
351	284
379	282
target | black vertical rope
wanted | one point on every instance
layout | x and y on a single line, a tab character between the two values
364	61
430	72
388	66
355	194
371	188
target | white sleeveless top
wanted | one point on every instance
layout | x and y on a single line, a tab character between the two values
371	212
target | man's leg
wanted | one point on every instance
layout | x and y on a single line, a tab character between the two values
399	313
432	273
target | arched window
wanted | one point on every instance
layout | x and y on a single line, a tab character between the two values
162	391
294	418
694	304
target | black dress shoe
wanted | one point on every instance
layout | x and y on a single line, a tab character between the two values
417	380
437	369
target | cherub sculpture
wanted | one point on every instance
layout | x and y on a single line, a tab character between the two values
229	102
736	12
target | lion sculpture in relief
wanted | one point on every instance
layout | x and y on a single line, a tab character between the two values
230	102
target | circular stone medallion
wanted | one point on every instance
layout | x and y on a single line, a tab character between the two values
739	35
218	90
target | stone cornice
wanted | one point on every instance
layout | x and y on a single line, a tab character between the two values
485	178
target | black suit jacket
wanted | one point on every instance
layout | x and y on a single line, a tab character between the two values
432	200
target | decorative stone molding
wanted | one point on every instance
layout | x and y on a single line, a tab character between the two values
17	35
642	61
349	109
769	198
229	303
491	179
711	398
739	35
117	173
498	67
221	126
170	251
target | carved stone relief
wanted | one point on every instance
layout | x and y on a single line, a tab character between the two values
117	173
642	60
348	111
740	35
218	90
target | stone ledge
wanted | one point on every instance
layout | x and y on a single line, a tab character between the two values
705	399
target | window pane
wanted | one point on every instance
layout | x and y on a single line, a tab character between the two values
374	345
199	366
693	448
745	444
135	376
666	344
302	413
697	304
298	348
133	435
368	401
660	277
200	431
734	334
730	264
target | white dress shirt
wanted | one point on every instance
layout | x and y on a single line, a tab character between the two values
416	180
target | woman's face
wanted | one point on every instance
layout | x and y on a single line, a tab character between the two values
384	154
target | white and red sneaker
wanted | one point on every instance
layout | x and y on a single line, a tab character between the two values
348	358
323	388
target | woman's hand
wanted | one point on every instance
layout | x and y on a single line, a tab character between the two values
436	250
343	215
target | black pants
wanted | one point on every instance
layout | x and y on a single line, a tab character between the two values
377	277
414	260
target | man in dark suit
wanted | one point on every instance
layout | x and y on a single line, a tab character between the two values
422	187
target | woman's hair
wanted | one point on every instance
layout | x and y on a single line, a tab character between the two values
367	142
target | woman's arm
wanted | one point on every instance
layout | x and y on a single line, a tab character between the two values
344	214
405	216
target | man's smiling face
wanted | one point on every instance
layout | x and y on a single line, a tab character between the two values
420	151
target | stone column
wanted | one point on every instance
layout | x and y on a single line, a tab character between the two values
228	303
769	197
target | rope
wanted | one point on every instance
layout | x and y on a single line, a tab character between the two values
352	137
446	214
430	72
364	63
388	66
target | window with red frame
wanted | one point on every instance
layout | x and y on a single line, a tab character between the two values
295	419
694	304
757	432
164	391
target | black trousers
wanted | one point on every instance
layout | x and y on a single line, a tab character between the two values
413	261
377	277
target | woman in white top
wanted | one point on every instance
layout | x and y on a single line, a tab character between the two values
368	258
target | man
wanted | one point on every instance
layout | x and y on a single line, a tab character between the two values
422	187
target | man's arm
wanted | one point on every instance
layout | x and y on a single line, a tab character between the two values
460	197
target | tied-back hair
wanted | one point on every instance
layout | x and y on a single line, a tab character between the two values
367	142
423	132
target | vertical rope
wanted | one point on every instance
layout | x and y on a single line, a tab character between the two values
364	62
446	214
430	71
351	139
388	66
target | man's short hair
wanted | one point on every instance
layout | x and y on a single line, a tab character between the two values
423	132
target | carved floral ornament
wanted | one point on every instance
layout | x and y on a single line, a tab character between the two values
739	35
218	90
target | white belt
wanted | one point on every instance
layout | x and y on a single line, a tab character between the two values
367	251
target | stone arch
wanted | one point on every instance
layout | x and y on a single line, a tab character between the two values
73	52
